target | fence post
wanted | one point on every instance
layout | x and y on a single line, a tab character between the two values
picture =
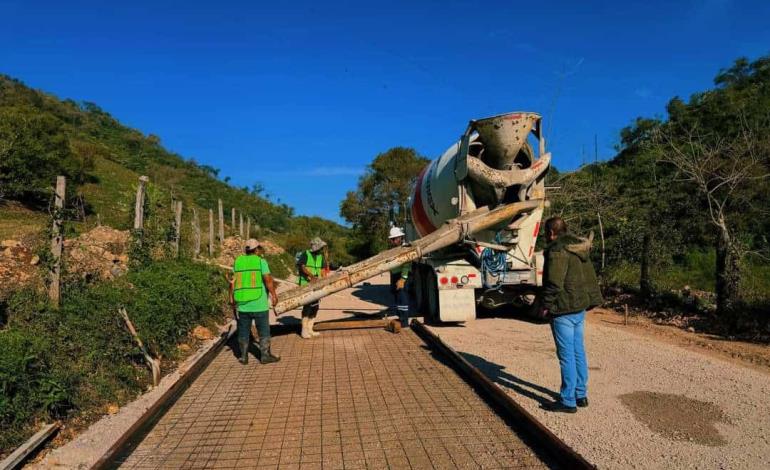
196	228
139	205
232	220
57	242
177	226
240	224
221	224
211	232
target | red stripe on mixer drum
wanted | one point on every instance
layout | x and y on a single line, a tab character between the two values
420	218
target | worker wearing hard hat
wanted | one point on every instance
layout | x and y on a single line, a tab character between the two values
311	265
398	278
248	295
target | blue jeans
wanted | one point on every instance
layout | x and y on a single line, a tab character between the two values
262	320
401	298
568	335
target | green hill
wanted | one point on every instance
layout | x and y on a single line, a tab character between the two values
684	202
42	136
74	362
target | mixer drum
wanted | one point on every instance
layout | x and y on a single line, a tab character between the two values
493	163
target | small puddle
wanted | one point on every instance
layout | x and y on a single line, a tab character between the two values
677	417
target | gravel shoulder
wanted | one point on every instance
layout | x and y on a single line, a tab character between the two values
654	403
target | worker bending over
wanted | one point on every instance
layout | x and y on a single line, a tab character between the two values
398	279
311	265
248	295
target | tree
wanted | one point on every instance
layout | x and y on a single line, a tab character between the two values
719	168
382	191
33	151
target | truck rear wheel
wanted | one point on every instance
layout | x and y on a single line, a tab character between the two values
432	307
418	276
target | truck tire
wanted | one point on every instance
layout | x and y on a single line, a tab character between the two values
420	286
432	307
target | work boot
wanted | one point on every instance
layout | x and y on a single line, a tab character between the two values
582	402
268	358
310	324
265	356
306	328
244	359
559	407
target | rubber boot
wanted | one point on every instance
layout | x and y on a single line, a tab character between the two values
244	352
265	356
306	328
310	324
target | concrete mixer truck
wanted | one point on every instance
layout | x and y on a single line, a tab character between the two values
494	163
474	216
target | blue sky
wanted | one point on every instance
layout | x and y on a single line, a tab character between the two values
301	97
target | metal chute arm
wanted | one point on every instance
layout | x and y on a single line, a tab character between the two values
453	231
479	171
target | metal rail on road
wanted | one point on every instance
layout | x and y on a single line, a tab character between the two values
515	413
29	448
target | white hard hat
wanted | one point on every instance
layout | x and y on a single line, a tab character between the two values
316	244
251	244
396	232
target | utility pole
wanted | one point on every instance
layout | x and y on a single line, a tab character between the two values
232	220
596	148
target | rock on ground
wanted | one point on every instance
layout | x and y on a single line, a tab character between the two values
101	253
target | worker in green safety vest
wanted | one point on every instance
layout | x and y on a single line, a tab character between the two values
398	279
249	288
311	265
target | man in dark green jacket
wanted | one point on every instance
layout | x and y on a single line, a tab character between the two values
569	289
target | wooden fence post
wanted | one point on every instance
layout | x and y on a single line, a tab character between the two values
139	205
211	232
232	220
196	228
177	226
248	227
221	224
57	242
240	224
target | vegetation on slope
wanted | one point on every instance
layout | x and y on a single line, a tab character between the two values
72	362
685	200
42	137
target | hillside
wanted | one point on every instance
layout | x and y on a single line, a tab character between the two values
43	136
682	207
170	299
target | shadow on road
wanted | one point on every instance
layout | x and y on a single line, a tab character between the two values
374	293
496	373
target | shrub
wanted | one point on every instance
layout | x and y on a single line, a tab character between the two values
55	364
